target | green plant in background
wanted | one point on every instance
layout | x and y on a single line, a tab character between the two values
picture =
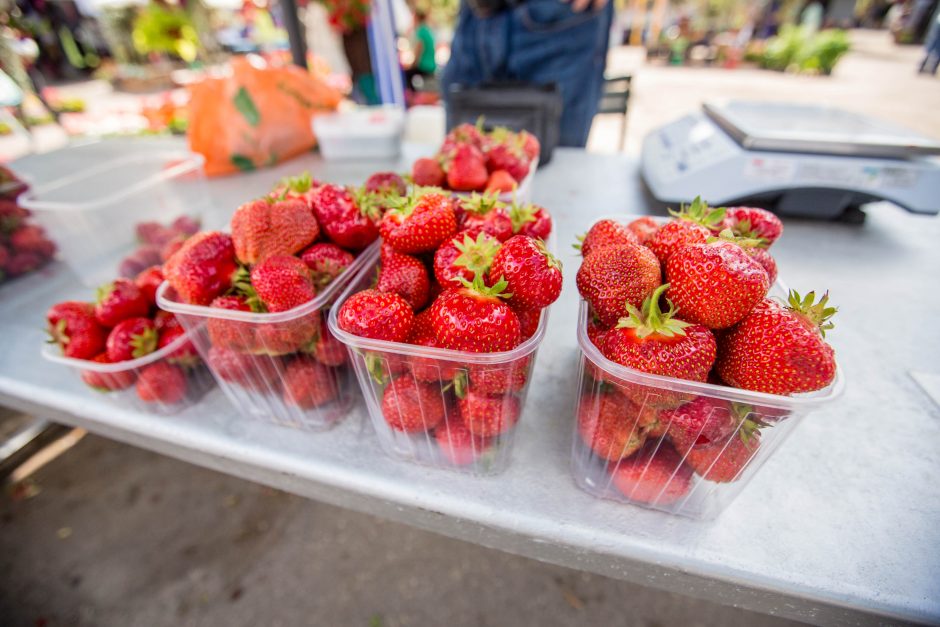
798	49
161	29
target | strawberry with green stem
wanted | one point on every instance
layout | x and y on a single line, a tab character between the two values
326	262
466	168
202	268
609	425
376	315
131	339
614	275
532	274
753	222
725	460
604	233
73	327
404	275
264	228
120	300
474	318
530	219
344	222
693	225
468	253
419	223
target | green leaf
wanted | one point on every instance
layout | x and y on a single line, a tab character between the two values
246	106
243	163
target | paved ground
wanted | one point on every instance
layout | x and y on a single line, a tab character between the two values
110	535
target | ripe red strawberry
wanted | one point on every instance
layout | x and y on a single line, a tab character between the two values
108	381
780	349
463	134
486	213
231	334
376	315
715	284
466	254
148	281
752	222
510	157
326	262
458	445
171	247
608	423
644	228
161	382
22	262
614	275
163	320
283	282
532	274
154	233
499	378
724	461
185	225
762	256
404	275
185	354
531	220
500	181
419	224
475	319
329	351
488	416
31	238
300	187
385	183
131	339
655	476
119	301
466	169
72	325
427	172
254	372
263	228
701	422
655	342
605	233
528	321
693	225
288	336
343	221
429	369
597	333
412	406
309	384
202	268
530	145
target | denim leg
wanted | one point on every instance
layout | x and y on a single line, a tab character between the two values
478	51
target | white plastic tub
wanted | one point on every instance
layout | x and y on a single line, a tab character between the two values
363	133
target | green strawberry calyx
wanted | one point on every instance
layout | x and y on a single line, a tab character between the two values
370	204
144	343
481	204
241	286
299	184
404	206
817	314
477	286
520	215
727	235
700	213
750	424
550	259
651	319
476	255
103	292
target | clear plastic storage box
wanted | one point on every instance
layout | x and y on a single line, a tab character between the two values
471	403
92	214
284	367
158	383
362	133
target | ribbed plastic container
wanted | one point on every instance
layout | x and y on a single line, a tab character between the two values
92	215
120	382
282	367
635	461
482	392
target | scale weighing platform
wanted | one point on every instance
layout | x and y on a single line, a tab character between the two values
800	160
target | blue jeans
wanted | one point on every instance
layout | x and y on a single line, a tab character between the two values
538	41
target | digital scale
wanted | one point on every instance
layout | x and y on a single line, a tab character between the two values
800	160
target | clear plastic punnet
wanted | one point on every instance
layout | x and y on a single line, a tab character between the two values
164	382
284	367
521	195
622	451
92	214
439	407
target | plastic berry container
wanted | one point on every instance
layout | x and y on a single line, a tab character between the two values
522	194
284	367
92	214
621	449
435	432
121	382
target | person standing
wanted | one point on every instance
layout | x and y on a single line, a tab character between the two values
425	63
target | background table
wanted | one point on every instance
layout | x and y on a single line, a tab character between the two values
841	525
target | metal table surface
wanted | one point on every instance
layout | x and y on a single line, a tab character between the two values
840	526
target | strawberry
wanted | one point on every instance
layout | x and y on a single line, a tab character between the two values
500	181
386	183
170	248
343	221
510	157
605	233
531	220
486	213
264	228
499	379
532	274
474	319
762	256
693	226
161	382
308	384
655	475
468	253
148	281
326	262
232	334
412	406
724	461
528	321
404	275
72	325
419	223
466	169
715	284
22	262
131	339
596	332
703	421
202	268
614	275
463	134
185	225
30	238
163	320
288	336
752	222
376	315
653	341
282	282
608	424
154	233
427	172
329	351
644	228
259	373
457	444
119	301
428	369
780	349
108	381
530	145
488	416
185	354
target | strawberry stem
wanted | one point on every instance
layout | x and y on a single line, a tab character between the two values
651	319
817	314
699	213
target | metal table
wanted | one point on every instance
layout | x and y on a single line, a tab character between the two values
840	525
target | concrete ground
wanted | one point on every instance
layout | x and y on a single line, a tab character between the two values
111	535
